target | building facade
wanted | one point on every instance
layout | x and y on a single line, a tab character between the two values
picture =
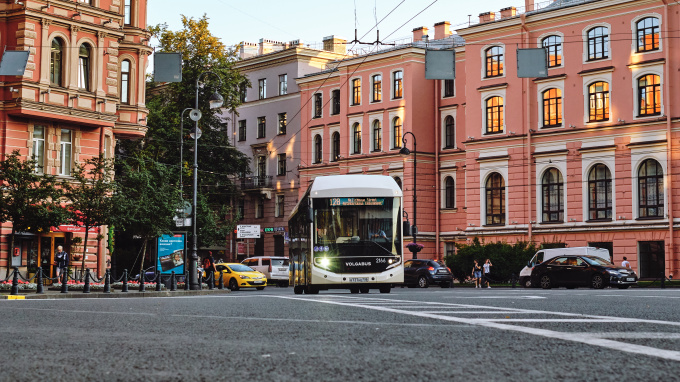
266	128
83	89
582	156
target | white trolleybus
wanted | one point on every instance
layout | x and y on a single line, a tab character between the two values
346	233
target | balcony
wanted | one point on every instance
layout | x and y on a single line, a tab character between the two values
256	183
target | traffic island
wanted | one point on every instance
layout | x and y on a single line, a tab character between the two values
53	295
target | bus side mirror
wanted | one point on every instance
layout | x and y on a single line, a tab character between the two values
310	216
529	264
406	228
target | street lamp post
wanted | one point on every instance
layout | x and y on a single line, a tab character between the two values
405	153
215	101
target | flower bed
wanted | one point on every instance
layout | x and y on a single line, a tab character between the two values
415	247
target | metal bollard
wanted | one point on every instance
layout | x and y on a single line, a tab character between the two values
211	281
142	286
15	282
125	280
220	285
173	282
186	280
86	287
107	281
64	281
39	282
158	281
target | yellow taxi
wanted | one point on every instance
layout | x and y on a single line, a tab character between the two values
236	276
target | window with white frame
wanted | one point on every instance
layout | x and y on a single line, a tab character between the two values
598	101
242	130
318	105
449	193
599	193
280	203
335	102
649	95
648	34
396	132
84	67
56	62
449	133
335	146
494	115
650	189
552	187
281	167
449	88
552	107
356	138
495	199
356	91
494	61
598	43
376	88
39	148
65	152
397	84
125	82
262	88
377	136
553	46
283	84
318	147
127	12
283	123
261	127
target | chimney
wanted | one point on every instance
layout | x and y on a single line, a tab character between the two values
529	5
418	33
441	30
264	47
486	17
335	44
508	12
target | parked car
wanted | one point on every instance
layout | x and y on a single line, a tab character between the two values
547	254
423	273
274	267
574	271
236	276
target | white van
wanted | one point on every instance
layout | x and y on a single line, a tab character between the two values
275	268
547	254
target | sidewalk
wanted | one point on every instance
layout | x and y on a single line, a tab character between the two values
55	294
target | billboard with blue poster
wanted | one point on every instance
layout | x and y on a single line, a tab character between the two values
171	249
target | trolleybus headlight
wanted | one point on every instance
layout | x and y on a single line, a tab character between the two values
324	262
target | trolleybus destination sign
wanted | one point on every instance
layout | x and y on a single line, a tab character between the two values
352	202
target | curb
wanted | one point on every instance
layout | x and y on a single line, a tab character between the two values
75	294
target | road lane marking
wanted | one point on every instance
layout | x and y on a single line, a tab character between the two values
584	338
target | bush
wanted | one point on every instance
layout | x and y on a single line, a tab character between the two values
506	258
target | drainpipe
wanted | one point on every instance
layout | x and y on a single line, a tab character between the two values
669	143
526	121
437	137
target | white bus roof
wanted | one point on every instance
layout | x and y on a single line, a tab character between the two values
337	186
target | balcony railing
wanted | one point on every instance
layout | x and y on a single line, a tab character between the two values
256	182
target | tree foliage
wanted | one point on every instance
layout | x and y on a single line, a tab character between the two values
90	195
218	161
507	259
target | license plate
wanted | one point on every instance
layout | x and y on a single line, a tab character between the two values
358	279
283	269
630	279
258	282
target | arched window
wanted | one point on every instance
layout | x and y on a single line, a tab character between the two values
84	67
600	193
650	189
553	196
649	95
398	180
552	108
495	200
317	148
335	146
598	101
494	61
648	34
494	115
449	193
449	133
553	44
56	60
396	132
598	43
377	136
356	134
125	82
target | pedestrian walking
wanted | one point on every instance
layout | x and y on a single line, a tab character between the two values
487	270
209	264
477	274
625	262
61	262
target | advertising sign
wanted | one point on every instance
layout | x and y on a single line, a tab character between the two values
171	253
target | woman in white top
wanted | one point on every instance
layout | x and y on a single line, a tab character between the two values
487	270
625	263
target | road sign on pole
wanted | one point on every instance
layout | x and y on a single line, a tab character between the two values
245	231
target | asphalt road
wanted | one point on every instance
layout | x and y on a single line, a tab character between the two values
407	335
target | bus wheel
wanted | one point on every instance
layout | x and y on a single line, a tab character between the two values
298	289
354	290
363	289
385	289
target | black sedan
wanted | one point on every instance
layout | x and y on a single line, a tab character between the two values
581	271
422	273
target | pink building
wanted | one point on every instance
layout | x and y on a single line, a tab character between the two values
582	156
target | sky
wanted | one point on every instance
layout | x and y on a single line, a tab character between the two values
311	20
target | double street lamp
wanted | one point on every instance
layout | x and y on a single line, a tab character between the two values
215	101
405	153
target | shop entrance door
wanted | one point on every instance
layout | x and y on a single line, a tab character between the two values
48	247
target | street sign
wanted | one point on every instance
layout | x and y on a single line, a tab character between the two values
182	222
244	231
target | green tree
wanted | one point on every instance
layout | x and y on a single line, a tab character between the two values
146	200
32	202
218	160
90	195
507	259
